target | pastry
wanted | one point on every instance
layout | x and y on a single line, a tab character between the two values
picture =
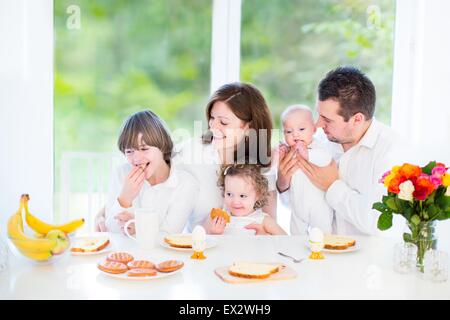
112	267
140	264
221	213
121	257
142	272
169	266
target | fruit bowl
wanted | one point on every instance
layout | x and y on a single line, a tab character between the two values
41	250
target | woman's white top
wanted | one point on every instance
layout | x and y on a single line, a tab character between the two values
203	162
174	199
308	203
236	226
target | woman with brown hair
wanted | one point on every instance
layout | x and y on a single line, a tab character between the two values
239	131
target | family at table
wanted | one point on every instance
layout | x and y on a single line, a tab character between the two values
327	182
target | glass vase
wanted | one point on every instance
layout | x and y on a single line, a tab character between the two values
423	235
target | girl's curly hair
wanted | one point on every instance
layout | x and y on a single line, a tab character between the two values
247	171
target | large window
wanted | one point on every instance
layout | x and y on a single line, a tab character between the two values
113	58
288	46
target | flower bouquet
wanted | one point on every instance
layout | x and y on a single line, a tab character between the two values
422	196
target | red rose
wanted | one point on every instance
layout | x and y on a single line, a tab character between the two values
423	187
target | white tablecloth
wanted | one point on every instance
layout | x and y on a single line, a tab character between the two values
364	274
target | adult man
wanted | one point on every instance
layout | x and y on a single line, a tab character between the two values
346	105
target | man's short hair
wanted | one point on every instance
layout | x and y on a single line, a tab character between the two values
352	89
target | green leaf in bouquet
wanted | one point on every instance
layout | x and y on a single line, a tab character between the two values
390	203
402	204
407	237
443	202
415	219
427	169
385	221
443	215
407	213
379	206
430	199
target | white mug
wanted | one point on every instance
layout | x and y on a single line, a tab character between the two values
147	228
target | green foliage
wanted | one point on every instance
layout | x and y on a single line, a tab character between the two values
131	55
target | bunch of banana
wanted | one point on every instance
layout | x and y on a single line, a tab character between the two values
43	228
51	239
36	249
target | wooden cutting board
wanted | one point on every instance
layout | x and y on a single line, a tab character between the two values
285	273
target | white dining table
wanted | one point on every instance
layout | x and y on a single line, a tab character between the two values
363	274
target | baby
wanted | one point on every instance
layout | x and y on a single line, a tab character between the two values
309	208
245	192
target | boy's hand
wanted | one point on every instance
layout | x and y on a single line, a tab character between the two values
131	187
123	218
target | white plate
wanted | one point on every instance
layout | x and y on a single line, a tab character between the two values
210	243
354	248
96	235
123	276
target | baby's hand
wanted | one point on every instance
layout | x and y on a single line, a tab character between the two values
302	150
280	152
216	225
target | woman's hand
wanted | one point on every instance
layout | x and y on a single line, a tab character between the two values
259	228
216	225
123	218
286	169
131	187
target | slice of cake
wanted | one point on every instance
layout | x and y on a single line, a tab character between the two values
93	244
336	242
252	270
179	241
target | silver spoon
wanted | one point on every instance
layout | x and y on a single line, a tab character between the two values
293	259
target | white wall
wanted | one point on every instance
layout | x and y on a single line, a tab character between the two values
421	104
26	105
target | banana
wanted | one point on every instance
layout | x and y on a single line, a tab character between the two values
36	249
34	245
37	256
43	228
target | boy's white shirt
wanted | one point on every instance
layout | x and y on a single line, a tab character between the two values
237	224
203	162
308	205
174	199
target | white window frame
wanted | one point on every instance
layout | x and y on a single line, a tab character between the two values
226	42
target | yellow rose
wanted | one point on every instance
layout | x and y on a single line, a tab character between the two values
446	180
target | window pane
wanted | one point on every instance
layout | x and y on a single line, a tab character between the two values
115	57
288	46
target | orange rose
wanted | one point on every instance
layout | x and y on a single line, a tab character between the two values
394	184
409	171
